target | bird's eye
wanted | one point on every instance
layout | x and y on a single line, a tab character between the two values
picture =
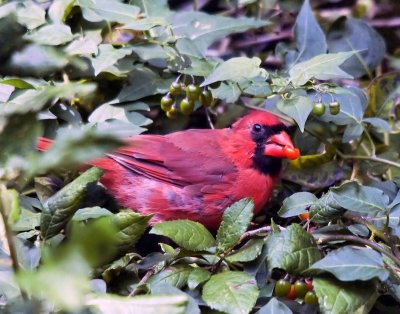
257	128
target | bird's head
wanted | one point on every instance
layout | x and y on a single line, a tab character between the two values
267	138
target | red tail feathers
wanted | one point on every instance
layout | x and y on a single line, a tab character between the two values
43	144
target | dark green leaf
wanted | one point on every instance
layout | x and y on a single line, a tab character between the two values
349	264
186	233
197	276
90	213
338	297
321	67
235	220
297	108
107	56
233	292
248	252
59	208
310	38
293	250
230	92
296	204
167	304
325	209
274	306
362	199
176	276
349	34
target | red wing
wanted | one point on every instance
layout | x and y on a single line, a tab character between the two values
181	158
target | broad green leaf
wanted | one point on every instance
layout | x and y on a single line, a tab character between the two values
204	29
325	209
349	264
148	304
321	67
310	39
107	57
50	281
233	292
51	34
337	297
296	204
73	147
145	24
143	82
378	123
248	252
352	132
27	221
230	92
362	199
166	289
117	266
17	83
59	10
59	208
235	69
186	233
9	204
176	275
274	306
130	227
90	213
383	93
319	176
30	14
108	10
21	129
154	8
293	250
197	276
235	220
87	45
350	34
298	108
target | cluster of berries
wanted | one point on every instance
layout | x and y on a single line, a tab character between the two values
182	98
299	289
319	108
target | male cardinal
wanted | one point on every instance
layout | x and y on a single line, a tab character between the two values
196	174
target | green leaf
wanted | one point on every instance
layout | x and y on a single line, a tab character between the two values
165	289
248	252
117	266
274	306
379	124
325	209
230	92
50	281
107	57
232	292
296	204
205	29
27	221
143	82
362	199
9	204
186	233
176	275
349	264
59	208
108	10
352	132
298	108
310	39
321	67
30	14
24	129
51	34
235	220
149	304
236	70
90	213
197	276
350	34
145	24
337	297
130	227
73	147
293	250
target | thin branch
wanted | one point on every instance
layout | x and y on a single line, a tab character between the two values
209	118
145	278
370	158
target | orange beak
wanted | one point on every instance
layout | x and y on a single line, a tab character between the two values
280	145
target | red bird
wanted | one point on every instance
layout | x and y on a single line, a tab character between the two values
196	174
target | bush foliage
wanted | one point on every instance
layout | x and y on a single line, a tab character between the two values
91	72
